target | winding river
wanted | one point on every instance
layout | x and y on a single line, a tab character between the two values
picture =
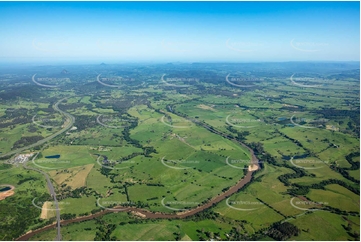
156	215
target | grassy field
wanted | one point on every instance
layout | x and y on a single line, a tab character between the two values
70	156
151	230
74	177
167	159
311	229
337	197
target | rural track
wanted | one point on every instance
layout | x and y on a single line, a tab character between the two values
40	142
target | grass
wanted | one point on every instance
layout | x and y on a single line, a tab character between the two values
337	197
74	177
71	232
97	181
355	174
70	156
77	205
150	230
321	225
201	153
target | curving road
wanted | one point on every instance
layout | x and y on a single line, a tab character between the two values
52	193
67	125
152	215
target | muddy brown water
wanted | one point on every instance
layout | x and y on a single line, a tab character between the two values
145	213
156	215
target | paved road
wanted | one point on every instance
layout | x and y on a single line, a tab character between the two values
68	124
146	213
52	193
151	215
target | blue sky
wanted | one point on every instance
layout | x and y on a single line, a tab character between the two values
179	31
